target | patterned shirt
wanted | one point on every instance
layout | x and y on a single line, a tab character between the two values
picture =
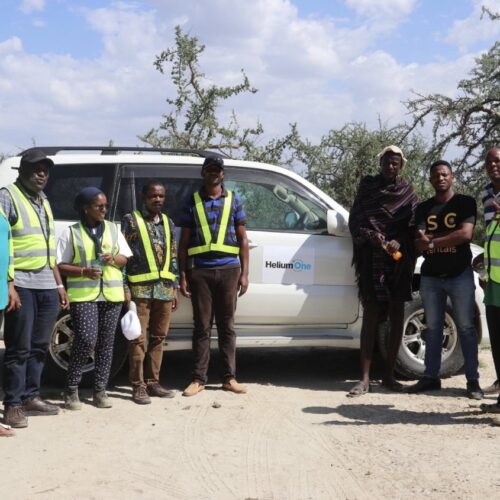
161	289
213	210
487	197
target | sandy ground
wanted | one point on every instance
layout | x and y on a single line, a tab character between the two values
293	436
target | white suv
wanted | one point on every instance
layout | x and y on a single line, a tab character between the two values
302	289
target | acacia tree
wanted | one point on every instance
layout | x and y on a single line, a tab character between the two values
342	157
193	121
471	120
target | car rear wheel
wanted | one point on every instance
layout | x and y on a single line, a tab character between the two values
411	355
59	354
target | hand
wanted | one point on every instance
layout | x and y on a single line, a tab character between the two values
128	296
108	258
379	238
184	287
422	243
242	284
63	298
14	300
175	302
92	272
393	246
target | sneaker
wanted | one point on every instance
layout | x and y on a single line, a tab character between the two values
156	390
473	390
140	396
101	399
425	384
494	388
71	399
15	417
6	431
233	386
193	388
37	407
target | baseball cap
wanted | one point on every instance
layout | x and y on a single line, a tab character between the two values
213	160
392	149
34	156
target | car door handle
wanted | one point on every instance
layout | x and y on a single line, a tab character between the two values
252	245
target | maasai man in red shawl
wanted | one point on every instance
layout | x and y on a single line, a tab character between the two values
381	223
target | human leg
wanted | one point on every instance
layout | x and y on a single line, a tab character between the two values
396	321
493	319
137	347
226	290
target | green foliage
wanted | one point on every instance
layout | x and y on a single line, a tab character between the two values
344	156
471	120
192	121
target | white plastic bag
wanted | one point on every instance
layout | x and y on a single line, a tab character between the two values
131	326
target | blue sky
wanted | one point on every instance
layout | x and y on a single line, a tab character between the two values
80	72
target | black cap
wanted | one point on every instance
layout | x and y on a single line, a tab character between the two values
213	160
34	156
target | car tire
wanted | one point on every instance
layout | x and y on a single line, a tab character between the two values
56	366
410	359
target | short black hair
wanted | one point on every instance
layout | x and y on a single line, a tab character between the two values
440	162
150	183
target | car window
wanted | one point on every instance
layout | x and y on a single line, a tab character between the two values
66	181
179	181
275	202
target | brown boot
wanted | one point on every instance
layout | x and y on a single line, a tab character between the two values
156	390
140	396
233	386
193	388
15	417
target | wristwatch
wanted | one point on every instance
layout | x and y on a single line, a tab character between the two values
430	245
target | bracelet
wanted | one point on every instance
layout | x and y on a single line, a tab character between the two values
60	286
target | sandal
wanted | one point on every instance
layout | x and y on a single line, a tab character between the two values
360	389
490	408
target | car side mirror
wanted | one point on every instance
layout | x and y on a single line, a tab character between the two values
337	224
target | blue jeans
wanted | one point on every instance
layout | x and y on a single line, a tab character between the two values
434	293
27	335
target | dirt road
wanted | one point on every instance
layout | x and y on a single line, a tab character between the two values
293	436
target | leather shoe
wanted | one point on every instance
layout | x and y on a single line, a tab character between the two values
156	390
425	384
15	417
474	390
494	388
233	386
38	407
193	388
140	396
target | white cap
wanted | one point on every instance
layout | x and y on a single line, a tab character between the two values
392	149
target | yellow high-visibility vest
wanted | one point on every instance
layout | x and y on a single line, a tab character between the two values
492	250
32	248
153	273
209	245
82	289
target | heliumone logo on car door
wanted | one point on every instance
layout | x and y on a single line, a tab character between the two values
288	265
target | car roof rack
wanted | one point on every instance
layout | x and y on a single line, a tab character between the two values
114	150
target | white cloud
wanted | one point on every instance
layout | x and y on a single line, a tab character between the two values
388	9
464	33
315	72
29	6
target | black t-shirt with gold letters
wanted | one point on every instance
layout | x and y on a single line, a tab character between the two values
439	218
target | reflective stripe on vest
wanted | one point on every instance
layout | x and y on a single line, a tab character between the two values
10	269
82	289
209	245
153	274
492	250
32	250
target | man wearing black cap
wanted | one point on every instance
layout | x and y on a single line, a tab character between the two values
214	241
38	283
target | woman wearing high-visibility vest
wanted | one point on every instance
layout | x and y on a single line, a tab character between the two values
91	254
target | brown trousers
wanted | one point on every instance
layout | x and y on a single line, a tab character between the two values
145	363
213	294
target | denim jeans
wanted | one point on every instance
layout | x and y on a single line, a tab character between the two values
27	336
434	293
